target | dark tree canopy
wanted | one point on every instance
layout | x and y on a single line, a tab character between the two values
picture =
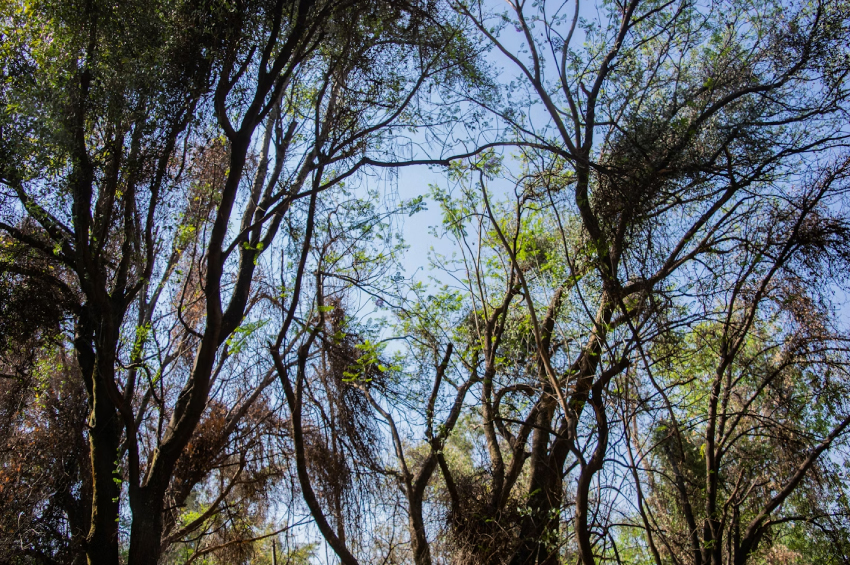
633	347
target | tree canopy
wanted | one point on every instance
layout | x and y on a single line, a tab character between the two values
630	344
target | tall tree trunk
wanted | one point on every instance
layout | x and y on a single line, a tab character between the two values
418	540
101	543
104	433
532	548
583	526
146	531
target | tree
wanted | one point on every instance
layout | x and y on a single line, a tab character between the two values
131	157
660	140
645	215
765	399
673	125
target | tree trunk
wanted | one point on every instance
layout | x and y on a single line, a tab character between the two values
532	549
104	433
146	531
418	540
